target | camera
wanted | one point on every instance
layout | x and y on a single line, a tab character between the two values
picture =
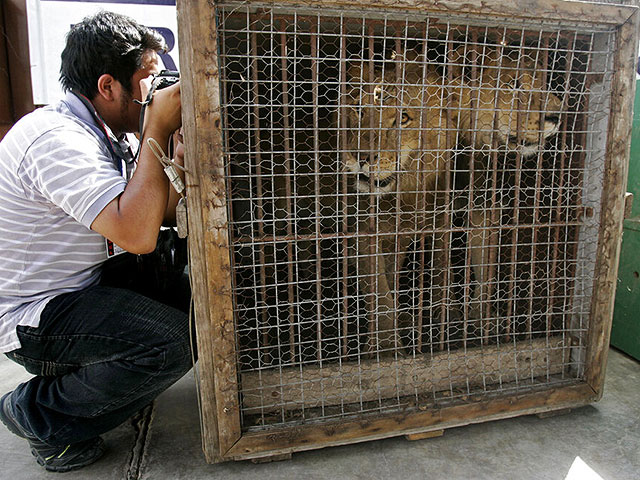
161	80
165	79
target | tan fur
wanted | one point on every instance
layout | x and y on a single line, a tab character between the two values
397	143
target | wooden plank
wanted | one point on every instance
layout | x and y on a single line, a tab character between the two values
343	432
613	198
197	267
4	128
272	458
564	12
554	413
6	107
208	239
17	37
412	437
352	382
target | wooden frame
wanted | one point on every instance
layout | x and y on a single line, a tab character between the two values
16	98
223	438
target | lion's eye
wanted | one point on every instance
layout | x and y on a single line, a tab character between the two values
404	119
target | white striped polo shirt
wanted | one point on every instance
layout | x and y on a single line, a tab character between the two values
56	175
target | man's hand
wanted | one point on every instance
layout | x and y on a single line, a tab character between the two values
178	142
164	111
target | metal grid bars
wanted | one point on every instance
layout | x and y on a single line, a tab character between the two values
413	208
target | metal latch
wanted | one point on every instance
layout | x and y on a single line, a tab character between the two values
181	218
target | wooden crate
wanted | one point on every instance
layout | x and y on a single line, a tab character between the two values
320	325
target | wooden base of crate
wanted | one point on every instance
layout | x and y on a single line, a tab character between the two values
272	458
281	390
554	413
344	432
412	437
297	387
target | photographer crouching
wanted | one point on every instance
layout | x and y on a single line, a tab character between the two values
100	352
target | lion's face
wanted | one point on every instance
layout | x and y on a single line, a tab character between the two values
508	106
396	127
381	137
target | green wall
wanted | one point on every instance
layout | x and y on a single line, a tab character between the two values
626	316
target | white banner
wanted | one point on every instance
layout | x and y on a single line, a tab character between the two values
50	20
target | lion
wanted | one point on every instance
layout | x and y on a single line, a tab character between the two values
402	126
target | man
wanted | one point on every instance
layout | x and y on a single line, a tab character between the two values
99	353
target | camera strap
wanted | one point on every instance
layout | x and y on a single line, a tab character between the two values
118	151
143	109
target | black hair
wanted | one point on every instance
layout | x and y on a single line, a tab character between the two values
105	43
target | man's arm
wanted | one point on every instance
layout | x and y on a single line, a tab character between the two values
133	219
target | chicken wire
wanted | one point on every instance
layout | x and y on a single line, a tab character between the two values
476	279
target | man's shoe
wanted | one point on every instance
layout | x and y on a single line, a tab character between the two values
69	457
53	459
9	420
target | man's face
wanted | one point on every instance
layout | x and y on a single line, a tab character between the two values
130	111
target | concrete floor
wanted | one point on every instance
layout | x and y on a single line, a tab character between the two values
164	443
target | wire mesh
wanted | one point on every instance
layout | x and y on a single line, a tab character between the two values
413	207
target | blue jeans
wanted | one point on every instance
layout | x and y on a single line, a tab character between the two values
99	356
